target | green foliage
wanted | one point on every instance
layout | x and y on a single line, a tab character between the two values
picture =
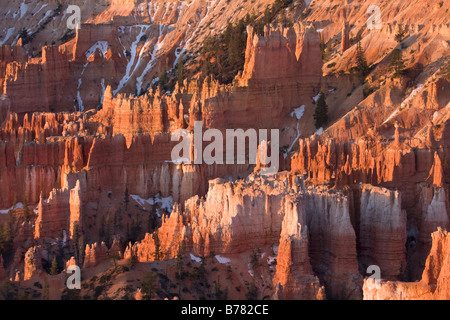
46	295
252	293
78	240
7	290
445	69
24	36
6	239
157	254
149	284
180	262
126	197
105	230
219	293
223	55
133	261
400	33
361	63
397	64
197	273
27	38
115	257
367	90
135	229
325	50
254	258
54	269
321	112
26	210
278	8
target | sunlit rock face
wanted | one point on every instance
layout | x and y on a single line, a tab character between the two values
358	209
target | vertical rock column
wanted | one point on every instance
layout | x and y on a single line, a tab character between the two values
75	206
294	277
382	231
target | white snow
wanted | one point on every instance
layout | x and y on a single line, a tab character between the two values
222	260
102	83
319	30
151	63
435	115
271	260
250	272
47	14
130	70
155	7
42	7
275	250
316	97
141	8
15	40
166	203
99	45
179	161
196	259
412	94
393	114
79	99
64	237
178	53
8	35
23	9
298	112
405	102
18	205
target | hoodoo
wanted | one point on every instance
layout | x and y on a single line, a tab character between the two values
224	150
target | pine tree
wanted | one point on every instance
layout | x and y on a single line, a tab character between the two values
149	284
126	197
400	33
361	62
397	64
24	35
180	262
163	80
114	257
54	270
157	253
446	69
46	295
321	112
283	18
6	239
26	210
267	16
133	260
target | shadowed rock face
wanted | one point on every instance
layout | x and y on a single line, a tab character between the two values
433	285
86	173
